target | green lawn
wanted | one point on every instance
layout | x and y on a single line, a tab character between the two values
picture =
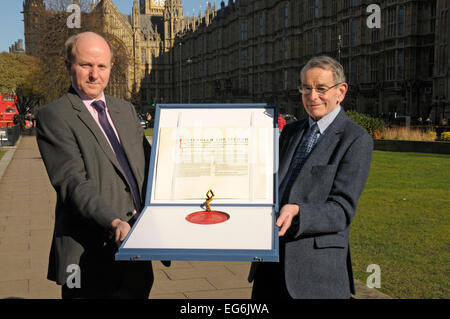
403	225
2	153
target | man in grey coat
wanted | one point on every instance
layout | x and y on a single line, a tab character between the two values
324	165
96	156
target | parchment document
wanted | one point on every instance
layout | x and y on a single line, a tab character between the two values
192	160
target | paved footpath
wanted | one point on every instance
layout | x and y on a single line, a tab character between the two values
26	226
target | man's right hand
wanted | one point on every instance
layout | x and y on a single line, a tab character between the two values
287	214
120	229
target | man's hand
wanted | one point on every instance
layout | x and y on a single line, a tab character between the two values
287	214
120	229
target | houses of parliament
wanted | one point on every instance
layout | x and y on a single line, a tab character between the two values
252	51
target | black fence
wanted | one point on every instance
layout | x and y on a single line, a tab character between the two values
9	136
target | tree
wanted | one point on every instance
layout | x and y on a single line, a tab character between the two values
28	95
14	69
52	29
18	74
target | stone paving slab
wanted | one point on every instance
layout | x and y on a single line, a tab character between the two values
364	292
26	227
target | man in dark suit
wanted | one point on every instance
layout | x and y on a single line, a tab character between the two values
324	165
96	156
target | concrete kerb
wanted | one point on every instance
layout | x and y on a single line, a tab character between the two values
364	292
6	159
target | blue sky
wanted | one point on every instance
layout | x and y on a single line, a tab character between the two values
11	22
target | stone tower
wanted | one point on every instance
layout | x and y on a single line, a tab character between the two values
32	16
173	21
152	7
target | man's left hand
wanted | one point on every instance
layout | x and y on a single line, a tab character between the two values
120	230
287	214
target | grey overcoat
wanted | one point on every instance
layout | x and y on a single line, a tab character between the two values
90	185
316	252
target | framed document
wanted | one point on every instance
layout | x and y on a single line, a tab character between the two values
212	185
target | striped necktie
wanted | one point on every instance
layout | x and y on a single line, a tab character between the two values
299	159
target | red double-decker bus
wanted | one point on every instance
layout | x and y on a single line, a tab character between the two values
8	110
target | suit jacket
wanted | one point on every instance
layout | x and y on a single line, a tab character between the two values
90	185
315	252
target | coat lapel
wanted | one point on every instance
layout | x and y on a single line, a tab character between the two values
86	118
289	150
322	153
122	125
328	142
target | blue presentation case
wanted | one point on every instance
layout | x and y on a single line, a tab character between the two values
231	149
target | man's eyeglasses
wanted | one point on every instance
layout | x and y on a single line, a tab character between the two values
303	89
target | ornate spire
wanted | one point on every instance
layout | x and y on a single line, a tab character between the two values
135	16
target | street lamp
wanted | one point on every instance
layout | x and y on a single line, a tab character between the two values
339	47
189	61
181	82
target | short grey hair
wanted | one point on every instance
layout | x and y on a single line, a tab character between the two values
327	63
71	43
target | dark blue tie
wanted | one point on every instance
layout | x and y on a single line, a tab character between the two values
120	154
299	159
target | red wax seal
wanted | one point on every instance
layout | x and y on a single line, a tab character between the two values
207	217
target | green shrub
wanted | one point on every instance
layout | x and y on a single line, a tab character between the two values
445	136
372	125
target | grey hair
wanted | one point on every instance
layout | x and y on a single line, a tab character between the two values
327	63
71	43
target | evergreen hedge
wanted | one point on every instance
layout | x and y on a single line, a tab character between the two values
372	125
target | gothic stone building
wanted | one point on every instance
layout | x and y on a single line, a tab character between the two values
253	51
143	37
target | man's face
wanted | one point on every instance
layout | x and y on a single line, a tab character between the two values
318	105
91	67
